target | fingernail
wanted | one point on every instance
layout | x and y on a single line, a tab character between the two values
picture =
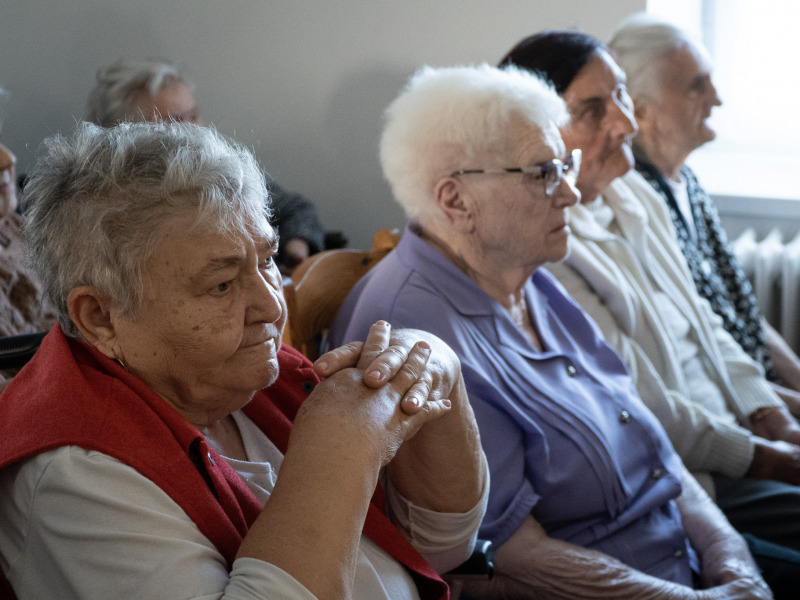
377	375
447	403
322	365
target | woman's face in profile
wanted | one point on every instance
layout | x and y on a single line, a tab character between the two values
601	123
8	181
207	334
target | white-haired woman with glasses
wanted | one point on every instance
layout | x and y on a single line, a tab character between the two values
588	499
162	443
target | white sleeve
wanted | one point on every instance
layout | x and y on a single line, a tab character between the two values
445	540
80	524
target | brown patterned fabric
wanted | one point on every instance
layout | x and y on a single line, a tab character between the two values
22	309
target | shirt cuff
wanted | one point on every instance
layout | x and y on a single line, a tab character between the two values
253	579
445	539
753	393
731	452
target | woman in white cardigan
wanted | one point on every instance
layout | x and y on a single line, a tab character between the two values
624	267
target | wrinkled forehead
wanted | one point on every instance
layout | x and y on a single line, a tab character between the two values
535	143
600	75
684	62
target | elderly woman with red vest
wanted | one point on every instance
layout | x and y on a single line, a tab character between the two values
162	443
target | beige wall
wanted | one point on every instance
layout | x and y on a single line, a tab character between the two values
303	83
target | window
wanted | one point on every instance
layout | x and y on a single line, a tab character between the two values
756	58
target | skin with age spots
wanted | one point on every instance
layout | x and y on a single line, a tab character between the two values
601	125
214	313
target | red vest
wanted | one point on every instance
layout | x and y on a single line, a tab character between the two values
71	394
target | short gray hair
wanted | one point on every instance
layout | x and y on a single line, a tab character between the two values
638	44
95	203
118	85
449	118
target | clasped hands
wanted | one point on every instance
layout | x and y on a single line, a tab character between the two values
383	390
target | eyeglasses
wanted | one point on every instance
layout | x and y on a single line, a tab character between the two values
551	172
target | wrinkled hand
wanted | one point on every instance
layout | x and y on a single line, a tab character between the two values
729	561
344	406
745	588
777	461
790	397
385	353
777	424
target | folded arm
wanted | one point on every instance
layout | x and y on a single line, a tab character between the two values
532	565
344	433
724	553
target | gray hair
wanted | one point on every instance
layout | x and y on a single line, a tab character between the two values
95	203
637	44
450	118
113	98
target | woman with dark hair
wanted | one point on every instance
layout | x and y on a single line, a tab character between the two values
547	58
625	269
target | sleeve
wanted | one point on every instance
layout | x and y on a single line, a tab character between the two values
704	441
80	524
445	540
751	390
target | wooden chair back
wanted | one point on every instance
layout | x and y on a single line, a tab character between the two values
319	286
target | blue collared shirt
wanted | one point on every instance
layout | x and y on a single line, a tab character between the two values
567	438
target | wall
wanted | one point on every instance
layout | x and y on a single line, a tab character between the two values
303	83
762	215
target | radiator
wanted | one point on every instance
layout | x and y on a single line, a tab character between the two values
773	266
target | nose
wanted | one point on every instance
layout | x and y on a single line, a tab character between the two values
7	159
715	99
266	302
566	194
619	118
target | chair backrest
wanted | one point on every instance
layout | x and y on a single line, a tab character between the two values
16	350
319	286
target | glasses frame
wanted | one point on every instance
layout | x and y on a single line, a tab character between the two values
552	172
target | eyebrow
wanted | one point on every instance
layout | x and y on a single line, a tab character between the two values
217	264
699	78
582	105
270	240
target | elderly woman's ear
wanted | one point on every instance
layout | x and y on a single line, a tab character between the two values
90	310
457	208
